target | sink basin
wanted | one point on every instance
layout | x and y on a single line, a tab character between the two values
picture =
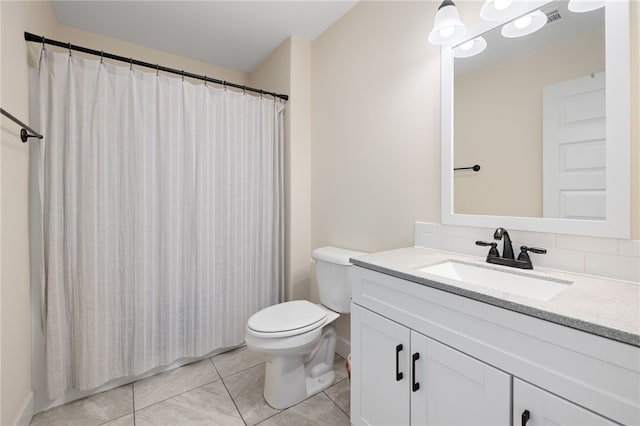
522	284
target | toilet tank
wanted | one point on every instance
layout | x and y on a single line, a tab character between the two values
334	277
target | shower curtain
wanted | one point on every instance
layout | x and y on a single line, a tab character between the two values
161	217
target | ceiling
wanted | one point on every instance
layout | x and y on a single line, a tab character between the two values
234	34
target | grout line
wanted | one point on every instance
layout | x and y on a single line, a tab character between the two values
334	402
277	412
228	393
181	393
133	398
239	371
173	396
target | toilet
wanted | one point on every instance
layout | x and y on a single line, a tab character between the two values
297	337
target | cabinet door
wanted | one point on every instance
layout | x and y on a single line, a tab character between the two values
379	370
533	406
455	389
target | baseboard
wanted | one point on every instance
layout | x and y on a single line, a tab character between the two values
343	347
24	416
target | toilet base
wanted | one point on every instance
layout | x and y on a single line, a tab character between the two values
291	379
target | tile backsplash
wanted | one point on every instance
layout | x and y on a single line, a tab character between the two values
605	257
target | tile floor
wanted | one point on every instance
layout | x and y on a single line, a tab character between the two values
223	390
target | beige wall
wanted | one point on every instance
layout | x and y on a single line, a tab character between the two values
287	70
17	17
375	112
375	109
497	96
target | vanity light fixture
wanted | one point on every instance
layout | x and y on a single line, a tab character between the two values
580	6
496	10
447	26
525	25
470	48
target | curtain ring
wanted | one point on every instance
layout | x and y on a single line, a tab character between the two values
43	48
244	90
183	75
205	81
224	85
261	93
130	64
157	70
69	48
101	56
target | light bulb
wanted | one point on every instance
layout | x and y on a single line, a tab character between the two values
523	22
468	45
447	31
502	4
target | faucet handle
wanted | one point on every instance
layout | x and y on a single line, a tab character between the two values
524	256
493	251
524	249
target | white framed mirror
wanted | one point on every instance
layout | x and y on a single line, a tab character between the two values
547	118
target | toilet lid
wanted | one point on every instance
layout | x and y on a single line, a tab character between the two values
293	317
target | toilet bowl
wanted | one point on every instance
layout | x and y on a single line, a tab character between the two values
297	337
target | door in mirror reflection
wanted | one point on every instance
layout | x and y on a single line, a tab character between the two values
574	149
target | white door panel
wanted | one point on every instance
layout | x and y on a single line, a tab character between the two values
455	389
574	148
380	350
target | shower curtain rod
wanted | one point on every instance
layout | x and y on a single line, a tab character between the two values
24	135
40	39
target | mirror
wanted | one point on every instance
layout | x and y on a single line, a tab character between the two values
546	117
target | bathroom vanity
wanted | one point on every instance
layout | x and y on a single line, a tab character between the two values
427	351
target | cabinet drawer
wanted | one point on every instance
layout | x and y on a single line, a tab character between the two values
533	406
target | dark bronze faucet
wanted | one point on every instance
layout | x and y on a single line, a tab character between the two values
507	248
507	259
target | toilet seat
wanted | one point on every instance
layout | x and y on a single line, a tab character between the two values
286	319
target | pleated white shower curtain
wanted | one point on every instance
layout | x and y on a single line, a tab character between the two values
162	217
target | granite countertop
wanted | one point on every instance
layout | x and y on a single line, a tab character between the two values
601	306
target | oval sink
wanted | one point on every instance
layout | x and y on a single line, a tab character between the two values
520	283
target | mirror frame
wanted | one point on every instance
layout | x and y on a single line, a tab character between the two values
618	215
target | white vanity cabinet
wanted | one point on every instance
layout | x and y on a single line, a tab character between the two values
478	364
418	380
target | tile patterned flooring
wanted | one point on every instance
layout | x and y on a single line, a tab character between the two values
222	390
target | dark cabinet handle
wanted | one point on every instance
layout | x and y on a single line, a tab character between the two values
525	417
415	385
398	373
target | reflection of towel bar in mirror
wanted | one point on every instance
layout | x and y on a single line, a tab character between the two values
475	168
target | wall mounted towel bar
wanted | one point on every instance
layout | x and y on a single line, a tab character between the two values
475	168
24	134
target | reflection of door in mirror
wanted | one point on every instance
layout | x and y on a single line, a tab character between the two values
574	149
